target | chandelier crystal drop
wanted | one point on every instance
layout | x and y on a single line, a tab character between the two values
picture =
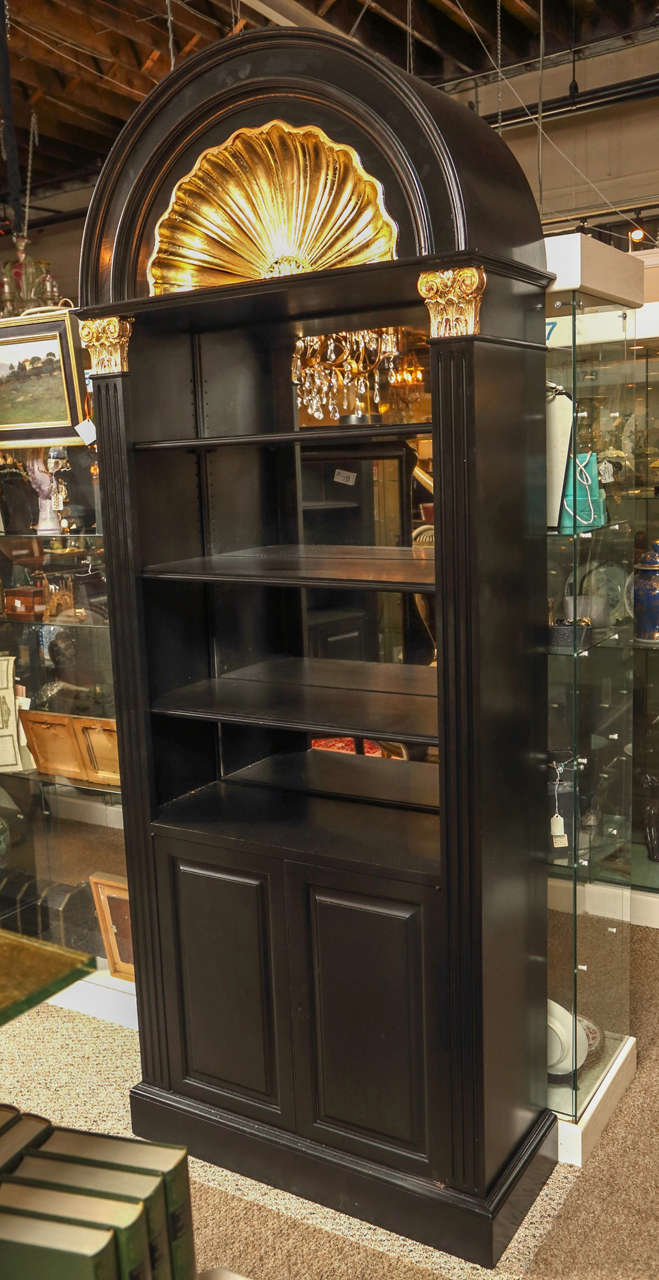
328	370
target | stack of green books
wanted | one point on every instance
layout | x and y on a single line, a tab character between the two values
123	1204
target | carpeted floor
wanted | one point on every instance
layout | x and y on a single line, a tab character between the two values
594	1225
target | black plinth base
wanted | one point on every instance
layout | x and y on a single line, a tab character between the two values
473	1228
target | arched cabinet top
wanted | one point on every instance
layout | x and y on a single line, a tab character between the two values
440	177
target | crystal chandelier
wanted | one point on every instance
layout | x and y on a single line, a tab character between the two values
329	370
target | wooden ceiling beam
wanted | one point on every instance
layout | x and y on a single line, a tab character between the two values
132	84
209	29
68	110
50	149
481	18
54	19
428	29
119	20
557	17
73	89
52	126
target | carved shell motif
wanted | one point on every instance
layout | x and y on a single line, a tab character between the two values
271	201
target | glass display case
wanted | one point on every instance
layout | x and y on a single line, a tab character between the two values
645	846
594	444
60	800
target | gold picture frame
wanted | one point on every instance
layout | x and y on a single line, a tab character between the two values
45	345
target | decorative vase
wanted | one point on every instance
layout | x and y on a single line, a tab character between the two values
646	596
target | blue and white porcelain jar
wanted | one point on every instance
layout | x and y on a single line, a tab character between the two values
646	596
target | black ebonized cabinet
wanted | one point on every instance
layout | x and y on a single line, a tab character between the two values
340	953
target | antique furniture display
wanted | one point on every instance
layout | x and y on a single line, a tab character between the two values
312	290
591	368
60	802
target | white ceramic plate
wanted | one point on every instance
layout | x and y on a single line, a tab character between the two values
559	1041
605	582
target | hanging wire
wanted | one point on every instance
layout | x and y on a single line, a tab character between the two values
500	78
541	68
359	17
410	40
33	142
170	30
550	141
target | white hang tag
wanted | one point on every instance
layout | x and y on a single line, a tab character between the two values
557	826
557	829
606	472
86	430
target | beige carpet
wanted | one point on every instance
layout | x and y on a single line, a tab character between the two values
596	1225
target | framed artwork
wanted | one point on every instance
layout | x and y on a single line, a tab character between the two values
42	385
111	902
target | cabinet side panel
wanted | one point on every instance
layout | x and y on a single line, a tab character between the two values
122	558
509	534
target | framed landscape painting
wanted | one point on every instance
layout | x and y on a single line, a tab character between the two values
41	380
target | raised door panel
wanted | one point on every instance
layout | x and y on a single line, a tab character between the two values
365	962
225	962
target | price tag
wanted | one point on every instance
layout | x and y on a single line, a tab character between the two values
86	430
557	829
606	472
344	477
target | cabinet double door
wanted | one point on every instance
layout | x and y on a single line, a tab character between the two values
308	997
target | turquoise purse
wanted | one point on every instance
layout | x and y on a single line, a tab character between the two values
590	510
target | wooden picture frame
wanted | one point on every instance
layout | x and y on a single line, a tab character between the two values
110	895
97	740
53	744
83	748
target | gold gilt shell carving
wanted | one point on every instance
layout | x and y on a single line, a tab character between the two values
271	201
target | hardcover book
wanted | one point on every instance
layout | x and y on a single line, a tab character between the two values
8	1116
140	1157
115	1184
28	1130
127	1221
33	1249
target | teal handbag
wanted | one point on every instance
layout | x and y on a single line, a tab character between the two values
590	510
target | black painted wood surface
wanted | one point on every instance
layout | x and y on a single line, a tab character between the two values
345	998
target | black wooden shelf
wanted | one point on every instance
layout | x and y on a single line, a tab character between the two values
318	695
302	435
340	831
330	504
382	568
411	784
